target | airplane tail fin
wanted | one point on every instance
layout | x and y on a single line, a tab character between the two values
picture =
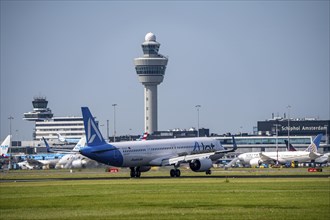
315	144
93	134
289	147
144	137
234	144
60	137
81	143
47	146
5	145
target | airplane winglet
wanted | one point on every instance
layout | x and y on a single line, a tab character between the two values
231	150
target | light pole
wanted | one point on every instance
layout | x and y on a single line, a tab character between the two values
10	118
198	106
326	134
114	122
289	106
108	129
276	130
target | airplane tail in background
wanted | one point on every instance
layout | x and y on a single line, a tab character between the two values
81	144
47	146
315	144
234	144
5	146
143	137
289	147
60	137
93	134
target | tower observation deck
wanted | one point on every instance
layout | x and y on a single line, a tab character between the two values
40	111
150	70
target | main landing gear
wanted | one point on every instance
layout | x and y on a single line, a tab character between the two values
175	173
135	172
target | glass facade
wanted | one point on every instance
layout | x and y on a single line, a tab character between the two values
156	70
39	103
265	140
70	127
150	49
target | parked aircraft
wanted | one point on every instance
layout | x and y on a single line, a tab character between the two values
141	155
31	163
44	161
5	146
143	137
325	158
67	140
81	143
320	160
283	157
74	159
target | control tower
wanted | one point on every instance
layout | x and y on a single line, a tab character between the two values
151	70
40	111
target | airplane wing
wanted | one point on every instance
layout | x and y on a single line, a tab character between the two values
313	155
265	158
33	162
184	159
187	158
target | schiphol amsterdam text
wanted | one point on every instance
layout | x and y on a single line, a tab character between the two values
304	128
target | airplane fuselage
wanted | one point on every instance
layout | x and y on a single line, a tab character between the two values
151	152
281	157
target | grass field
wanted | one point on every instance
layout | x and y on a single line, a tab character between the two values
162	198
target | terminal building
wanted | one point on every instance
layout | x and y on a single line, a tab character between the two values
48	126
68	127
295	127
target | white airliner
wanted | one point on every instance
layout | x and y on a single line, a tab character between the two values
67	140
141	155
5	146
283	157
325	158
74	159
37	164
320	160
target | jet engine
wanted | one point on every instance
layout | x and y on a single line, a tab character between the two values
144	168
255	162
201	165
79	164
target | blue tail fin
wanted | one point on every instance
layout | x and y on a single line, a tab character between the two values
93	134
47	146
315	144
234	143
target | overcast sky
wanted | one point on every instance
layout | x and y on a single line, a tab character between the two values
240	60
